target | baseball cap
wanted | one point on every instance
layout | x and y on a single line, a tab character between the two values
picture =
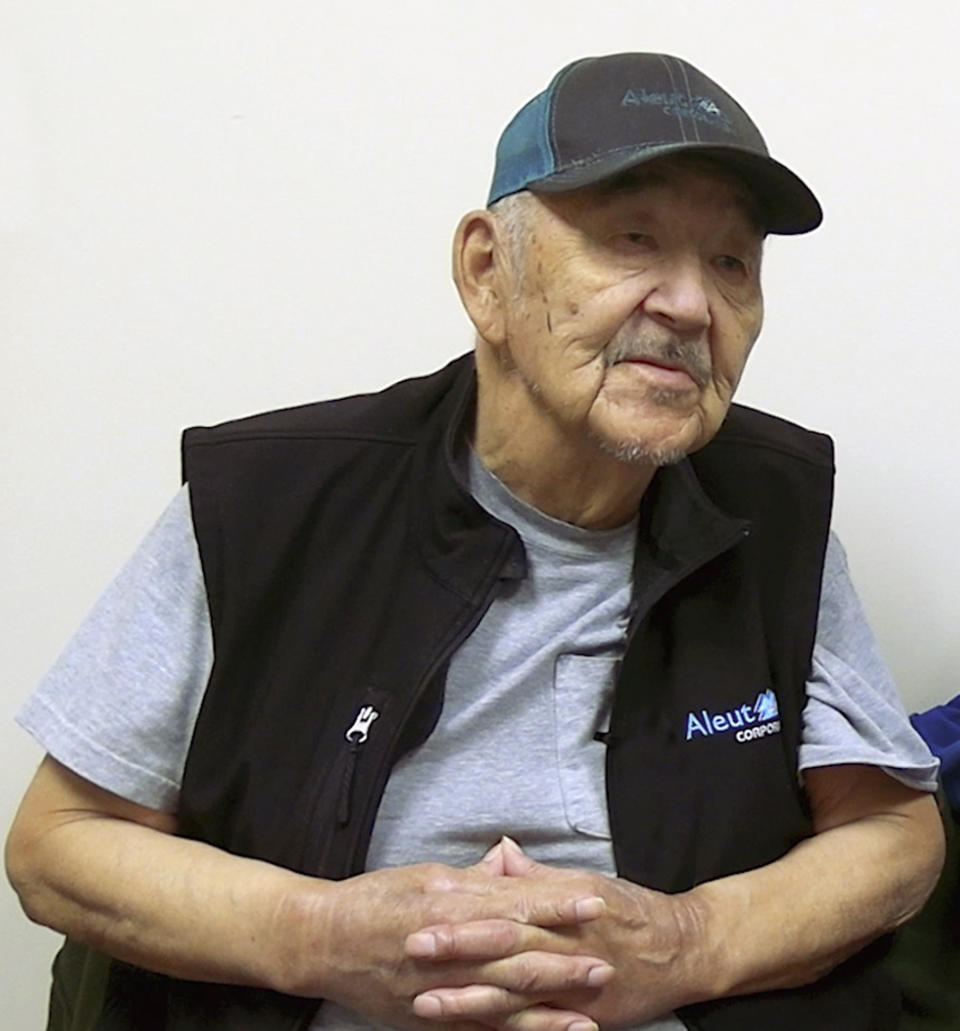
602	115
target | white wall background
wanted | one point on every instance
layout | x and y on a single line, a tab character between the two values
209	208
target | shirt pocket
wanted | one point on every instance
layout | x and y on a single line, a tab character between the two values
582	698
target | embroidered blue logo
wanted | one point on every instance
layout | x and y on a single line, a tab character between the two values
680	105
747	722
765	707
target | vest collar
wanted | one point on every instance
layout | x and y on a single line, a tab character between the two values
680	527
461	543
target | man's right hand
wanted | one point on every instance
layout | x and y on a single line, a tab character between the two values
361	926
113	874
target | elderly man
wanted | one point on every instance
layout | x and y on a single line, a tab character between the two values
528	695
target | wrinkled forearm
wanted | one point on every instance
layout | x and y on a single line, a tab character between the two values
790	922
171	905
112	874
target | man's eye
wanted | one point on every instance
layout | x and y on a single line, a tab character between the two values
632	243
731	263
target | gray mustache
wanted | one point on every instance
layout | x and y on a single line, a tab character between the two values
693	356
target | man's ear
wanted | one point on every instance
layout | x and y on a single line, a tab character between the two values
479	272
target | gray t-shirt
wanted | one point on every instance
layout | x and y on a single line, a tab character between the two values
514	751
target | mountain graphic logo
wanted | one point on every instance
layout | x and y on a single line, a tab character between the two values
765	707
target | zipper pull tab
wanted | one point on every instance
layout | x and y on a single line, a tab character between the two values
356	735
360	730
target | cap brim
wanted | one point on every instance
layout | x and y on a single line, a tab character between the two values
786	204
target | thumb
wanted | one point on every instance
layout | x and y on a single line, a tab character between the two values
492	862
516	862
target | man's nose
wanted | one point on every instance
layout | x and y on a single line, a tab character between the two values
678	298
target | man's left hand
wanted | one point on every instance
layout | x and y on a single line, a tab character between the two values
874	857
649	938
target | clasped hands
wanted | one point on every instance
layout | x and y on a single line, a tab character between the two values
515	945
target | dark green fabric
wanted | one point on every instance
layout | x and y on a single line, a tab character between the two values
925	958
79	983
88	995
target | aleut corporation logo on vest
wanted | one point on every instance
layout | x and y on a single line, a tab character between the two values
746	722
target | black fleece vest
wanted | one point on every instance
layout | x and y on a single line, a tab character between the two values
345	561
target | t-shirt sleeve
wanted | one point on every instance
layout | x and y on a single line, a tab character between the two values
119	705
853	712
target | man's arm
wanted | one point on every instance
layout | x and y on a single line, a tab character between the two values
114	875
873	860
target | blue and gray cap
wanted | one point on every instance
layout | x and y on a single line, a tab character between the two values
602	115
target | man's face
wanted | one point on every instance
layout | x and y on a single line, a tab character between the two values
635	308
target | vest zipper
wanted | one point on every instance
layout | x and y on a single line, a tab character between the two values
351	812
356	735
438	664
641	604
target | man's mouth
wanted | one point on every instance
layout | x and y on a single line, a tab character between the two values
664	371
673	360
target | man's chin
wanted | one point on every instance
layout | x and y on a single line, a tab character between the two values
642	451
666	447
